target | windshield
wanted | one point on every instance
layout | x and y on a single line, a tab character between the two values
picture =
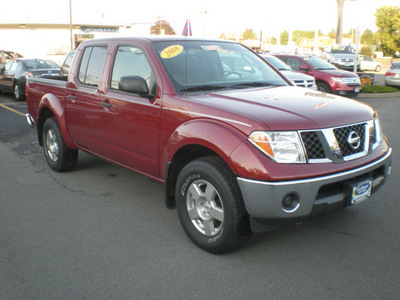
343	49
213	65
277	63
39	64
319	64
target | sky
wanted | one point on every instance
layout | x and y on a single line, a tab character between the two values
269	16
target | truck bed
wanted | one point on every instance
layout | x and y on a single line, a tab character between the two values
39	87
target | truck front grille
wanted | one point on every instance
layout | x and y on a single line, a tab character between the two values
340	143
304	83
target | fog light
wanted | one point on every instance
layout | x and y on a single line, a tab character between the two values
290	203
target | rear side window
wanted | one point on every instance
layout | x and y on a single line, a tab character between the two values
91	65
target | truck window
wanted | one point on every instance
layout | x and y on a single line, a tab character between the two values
132	61
91	65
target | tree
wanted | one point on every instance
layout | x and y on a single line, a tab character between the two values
388	23
369	38
284	38
160	25
332	34
249	34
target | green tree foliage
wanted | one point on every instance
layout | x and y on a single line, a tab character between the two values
332	34
162	25
367	50
388	23
284	37
249	34
369	38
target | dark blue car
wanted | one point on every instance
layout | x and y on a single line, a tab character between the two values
13	75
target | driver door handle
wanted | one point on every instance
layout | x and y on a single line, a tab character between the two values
105	104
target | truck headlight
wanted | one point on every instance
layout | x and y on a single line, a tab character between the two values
281	146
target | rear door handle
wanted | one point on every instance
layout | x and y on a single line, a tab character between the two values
72	97
106	104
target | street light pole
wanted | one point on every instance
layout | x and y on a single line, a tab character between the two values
70	24
339	30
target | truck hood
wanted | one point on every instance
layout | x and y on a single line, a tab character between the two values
286	108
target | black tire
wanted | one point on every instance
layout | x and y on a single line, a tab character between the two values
59	157
378	68
323	87
210	206
19	92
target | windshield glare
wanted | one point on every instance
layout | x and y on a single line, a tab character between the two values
319	64
277	63
205	66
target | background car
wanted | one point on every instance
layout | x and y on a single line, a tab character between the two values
298	79
392	76
368	64
342	56
67	63
5	56
13	75
329	79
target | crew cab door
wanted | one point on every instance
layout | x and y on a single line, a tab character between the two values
131	120
84	113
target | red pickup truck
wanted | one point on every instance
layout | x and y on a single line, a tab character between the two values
237	146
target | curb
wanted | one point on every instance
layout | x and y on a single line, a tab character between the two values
378	95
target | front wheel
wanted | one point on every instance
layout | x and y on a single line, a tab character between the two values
59	157
210	206
323	87
19	92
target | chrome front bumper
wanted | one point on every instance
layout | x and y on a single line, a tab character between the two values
266	200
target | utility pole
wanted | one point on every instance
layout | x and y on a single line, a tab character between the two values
70	24
339	30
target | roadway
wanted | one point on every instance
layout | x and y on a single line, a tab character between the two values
102	232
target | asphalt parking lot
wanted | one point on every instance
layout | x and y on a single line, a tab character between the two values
102	232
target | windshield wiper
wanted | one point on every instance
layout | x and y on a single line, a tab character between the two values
203	88
252	84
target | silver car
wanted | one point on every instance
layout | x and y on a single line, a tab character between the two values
298	79
392	76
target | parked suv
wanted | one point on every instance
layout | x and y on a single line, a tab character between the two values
329	78
298	79
342	56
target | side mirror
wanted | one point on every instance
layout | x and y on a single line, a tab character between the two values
134	85
303	68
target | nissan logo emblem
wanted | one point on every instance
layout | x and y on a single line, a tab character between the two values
354	140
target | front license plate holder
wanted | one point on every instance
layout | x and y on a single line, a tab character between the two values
360	191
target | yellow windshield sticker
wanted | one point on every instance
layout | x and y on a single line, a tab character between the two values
171	51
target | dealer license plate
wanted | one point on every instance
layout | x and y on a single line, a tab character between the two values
361	192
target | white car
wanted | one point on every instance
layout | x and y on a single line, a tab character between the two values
368	64
298	79
392	76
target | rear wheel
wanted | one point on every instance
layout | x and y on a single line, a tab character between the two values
59	157
210	206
